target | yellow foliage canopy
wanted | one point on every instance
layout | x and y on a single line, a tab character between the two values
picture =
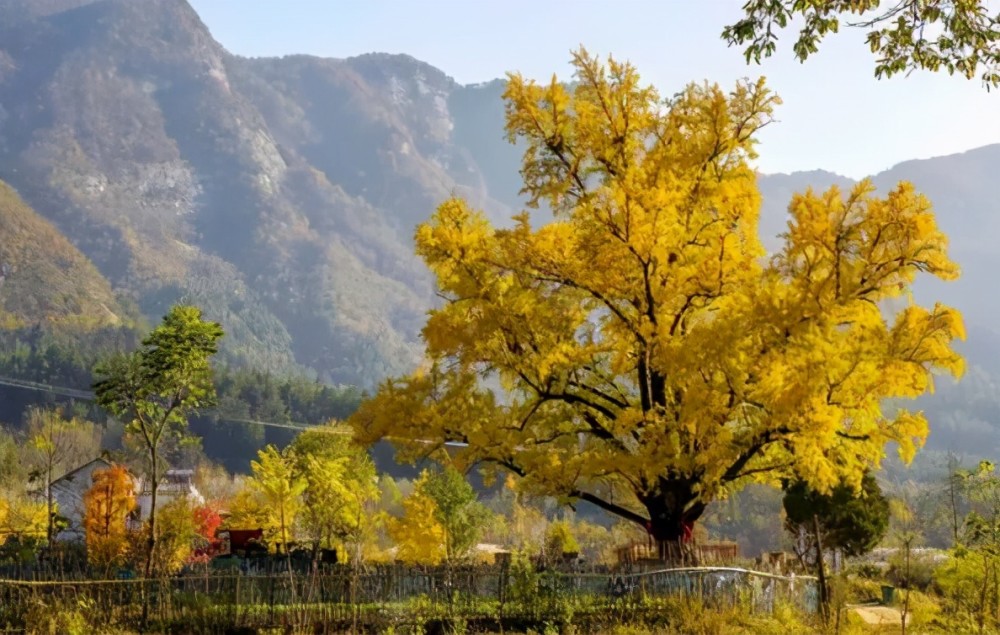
272	497
340	487
418	535
22	518
176	533
645	342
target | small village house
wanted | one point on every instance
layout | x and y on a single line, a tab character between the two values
68	491
173	484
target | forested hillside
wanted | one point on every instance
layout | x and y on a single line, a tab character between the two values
43	278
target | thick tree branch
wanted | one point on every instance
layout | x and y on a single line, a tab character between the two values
735	470
619	403
574	399
617	510
853	437
762	470
554	277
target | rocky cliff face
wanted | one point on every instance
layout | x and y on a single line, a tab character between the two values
281	194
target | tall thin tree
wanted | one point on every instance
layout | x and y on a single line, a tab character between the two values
155	388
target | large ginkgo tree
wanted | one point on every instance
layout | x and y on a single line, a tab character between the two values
652	356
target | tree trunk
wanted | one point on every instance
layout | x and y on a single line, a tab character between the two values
673	510
824	591
151	541
49	505
953	482
906	599
996	594
981	617
281	519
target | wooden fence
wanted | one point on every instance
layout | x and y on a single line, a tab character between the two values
386	597
710	553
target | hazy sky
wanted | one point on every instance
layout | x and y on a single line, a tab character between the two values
835	116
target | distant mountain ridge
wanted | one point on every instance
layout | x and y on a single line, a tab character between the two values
281	194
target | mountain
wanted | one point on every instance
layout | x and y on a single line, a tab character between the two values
44	278
281	194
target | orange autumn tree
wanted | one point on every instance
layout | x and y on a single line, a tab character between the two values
652	356
107	505
207	521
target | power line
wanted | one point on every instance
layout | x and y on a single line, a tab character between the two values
55	390
90	396
274	424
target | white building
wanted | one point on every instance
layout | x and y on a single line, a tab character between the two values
68	491
174	484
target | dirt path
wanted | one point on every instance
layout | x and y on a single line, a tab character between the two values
878	615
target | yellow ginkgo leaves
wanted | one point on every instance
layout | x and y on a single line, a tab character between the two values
651	358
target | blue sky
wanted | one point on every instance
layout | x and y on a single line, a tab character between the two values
835	116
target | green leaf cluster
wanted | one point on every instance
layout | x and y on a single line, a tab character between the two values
958	36
852	521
